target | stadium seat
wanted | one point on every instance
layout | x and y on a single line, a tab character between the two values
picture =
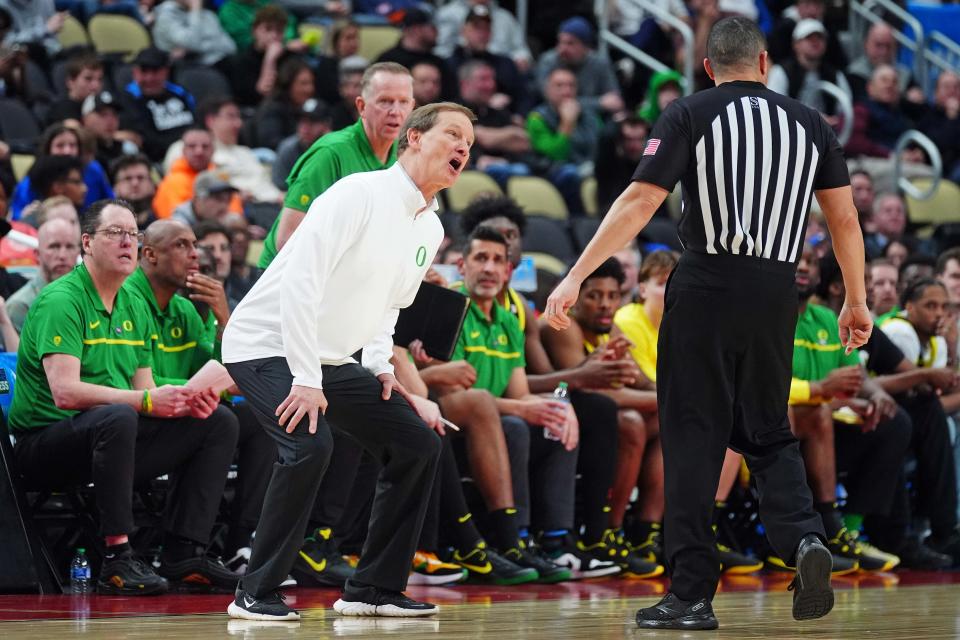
21	164
73	34
18	127
254	251
588	195
942	207
583	230
538	197
117	34
548	263
262	213
468	186
202	82
550	236
375	39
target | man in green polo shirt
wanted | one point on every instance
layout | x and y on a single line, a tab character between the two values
824	372
86	409
183	341
385	101
492	342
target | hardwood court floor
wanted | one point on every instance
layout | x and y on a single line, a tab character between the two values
881	607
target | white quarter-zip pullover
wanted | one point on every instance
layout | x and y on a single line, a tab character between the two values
339	283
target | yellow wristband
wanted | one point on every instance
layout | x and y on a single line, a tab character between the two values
147	404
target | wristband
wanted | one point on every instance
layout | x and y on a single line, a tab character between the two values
147	405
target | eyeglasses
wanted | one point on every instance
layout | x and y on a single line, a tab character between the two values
116	234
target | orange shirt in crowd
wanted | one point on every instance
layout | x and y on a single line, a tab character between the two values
177	187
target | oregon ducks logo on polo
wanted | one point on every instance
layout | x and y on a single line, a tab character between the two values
502	339
127	325
304	199
823	336
421	255
57	340
176	332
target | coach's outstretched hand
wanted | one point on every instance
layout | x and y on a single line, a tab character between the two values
560	301
302	401
856	324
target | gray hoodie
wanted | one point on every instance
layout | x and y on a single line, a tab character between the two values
199	32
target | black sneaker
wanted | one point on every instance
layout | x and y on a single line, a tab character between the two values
269	607
736	563
373	601
631	563
841	565
548	572
200	573
812	593
948	546
127	575
487	566
673	613
918	556
319	563
649	545
846	545
581	562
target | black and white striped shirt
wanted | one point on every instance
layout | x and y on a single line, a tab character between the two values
748	160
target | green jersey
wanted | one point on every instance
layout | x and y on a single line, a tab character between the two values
69	317
179	337
330	158
494	347
817	349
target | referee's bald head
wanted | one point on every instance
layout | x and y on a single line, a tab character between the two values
735	43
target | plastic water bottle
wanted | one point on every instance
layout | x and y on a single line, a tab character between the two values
80	573
560	395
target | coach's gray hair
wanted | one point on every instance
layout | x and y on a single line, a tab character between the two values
734	42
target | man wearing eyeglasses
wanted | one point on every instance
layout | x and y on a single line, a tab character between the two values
86	408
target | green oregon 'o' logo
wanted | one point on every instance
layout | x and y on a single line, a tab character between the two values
421	255
127	325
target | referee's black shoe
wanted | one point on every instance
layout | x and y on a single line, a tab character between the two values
673	613
812	593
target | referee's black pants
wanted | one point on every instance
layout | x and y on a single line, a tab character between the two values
723	377
389	430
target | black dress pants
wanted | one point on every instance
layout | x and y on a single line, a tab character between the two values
116	448
389	430
871	463
723	376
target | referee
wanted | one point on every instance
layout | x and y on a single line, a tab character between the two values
748	160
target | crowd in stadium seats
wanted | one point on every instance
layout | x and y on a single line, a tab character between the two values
195	127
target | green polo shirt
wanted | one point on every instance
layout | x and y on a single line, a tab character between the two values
817	349
330	158
69	317
494	347
179	338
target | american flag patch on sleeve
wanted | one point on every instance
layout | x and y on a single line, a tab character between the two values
652	145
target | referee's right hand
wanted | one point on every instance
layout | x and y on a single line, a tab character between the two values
856	325
560	301
302	401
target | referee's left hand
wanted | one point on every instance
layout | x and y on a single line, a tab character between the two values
855	324
562	298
